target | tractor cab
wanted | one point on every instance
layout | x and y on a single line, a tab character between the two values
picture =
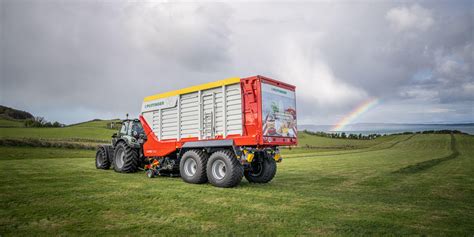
131	132
131	127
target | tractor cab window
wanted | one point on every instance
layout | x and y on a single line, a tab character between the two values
137	127
124	128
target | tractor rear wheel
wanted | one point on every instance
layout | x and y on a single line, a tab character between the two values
224	170
125	158
261	171
192	167
101	159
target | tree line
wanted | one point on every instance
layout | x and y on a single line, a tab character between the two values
41	122
344	135
360	136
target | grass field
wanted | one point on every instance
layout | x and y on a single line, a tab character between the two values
94	131
400	185
10	123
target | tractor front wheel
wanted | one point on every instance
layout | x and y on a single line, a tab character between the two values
125	158
101	159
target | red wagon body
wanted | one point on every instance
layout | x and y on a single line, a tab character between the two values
268	116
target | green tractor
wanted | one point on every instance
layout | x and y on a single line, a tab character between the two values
125	153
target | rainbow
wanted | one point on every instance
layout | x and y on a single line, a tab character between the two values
354	114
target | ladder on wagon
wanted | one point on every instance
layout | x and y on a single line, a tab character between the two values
208	104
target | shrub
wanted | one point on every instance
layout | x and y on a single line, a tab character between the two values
40	122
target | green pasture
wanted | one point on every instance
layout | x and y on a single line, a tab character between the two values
11	123
341	187
95	131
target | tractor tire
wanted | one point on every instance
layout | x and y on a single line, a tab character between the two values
192	167
224	170
101	159
125	158
261	172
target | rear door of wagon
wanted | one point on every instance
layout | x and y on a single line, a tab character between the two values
278	111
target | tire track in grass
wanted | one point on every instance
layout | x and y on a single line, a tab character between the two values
354	152
421	166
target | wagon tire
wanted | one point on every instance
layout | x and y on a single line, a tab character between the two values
192	167
261	172
224	169
125	158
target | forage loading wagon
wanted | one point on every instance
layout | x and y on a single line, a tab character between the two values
216	132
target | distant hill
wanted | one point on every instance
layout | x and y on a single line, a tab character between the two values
14	118
11	113
98	123
10	117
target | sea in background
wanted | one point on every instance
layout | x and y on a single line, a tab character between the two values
389	128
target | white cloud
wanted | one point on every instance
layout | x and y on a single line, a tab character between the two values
181	32
448	66
419	92
452	65
410	18
337	54
468	88
314	79
439	110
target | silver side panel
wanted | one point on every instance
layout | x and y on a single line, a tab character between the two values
204	114
189	115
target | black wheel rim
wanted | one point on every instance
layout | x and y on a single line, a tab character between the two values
257	168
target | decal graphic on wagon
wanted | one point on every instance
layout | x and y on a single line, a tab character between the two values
278	111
